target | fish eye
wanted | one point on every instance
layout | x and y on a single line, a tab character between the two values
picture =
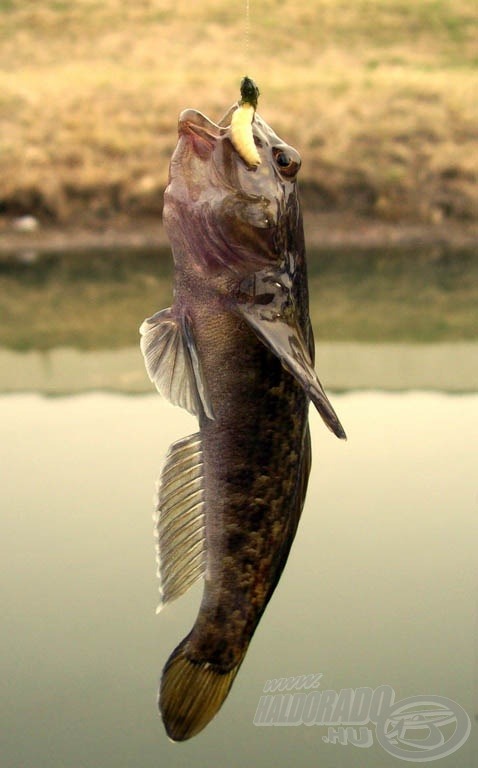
287	161
283	159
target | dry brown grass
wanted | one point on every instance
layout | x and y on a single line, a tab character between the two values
380	97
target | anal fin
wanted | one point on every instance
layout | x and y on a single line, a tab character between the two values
179	519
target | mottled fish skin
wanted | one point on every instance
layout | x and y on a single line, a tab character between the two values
241	306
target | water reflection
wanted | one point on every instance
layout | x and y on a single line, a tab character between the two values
382	580
380	587
97	300
445	367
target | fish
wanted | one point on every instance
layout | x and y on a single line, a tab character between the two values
236	349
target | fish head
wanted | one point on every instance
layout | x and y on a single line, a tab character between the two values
219	211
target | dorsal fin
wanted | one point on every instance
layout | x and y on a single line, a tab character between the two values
172	361
180	519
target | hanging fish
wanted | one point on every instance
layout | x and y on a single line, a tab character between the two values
236	349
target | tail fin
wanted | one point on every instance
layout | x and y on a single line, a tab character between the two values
191	693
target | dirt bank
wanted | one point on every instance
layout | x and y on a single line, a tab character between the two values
323	230
378	97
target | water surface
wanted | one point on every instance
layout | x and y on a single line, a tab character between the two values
381	584
380	587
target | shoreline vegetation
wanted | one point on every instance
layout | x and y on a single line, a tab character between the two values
379	96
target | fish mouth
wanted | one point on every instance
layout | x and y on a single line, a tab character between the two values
201	131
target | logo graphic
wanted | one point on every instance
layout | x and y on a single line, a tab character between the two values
423	728
417	729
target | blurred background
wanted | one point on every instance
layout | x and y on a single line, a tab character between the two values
379	96
381	99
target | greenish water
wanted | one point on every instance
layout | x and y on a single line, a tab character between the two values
380	588
381	585
97	300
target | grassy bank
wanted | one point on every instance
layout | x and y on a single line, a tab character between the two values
380	97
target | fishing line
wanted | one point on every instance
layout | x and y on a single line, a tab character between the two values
247	29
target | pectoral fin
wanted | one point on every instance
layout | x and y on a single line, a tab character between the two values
172	361
286	341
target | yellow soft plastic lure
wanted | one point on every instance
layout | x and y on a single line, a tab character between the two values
242	136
